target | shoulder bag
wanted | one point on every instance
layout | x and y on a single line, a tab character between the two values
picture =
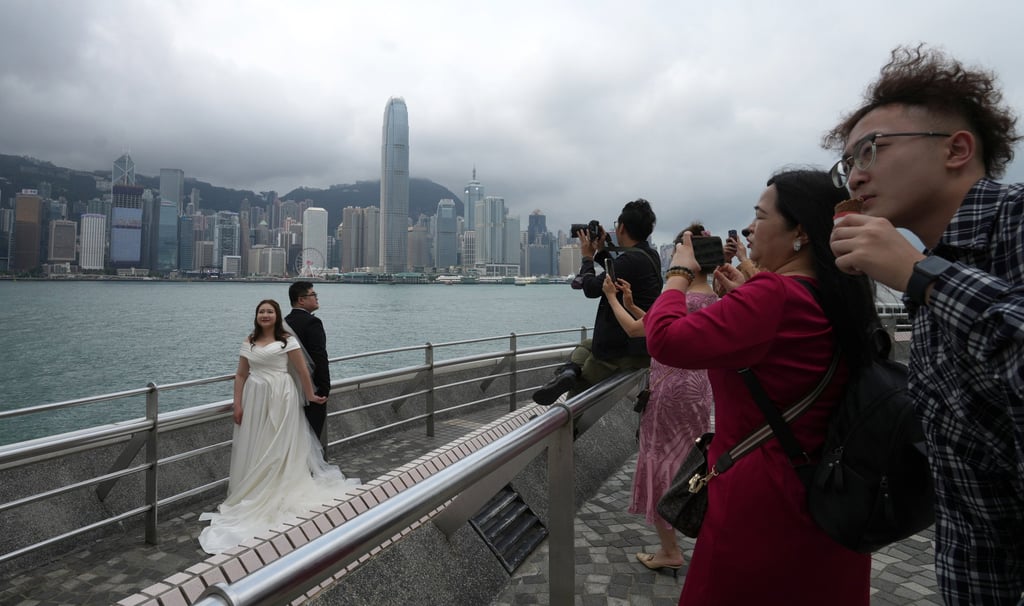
686	501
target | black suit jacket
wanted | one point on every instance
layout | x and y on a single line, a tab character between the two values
310	330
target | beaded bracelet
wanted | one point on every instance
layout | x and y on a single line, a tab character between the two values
679	270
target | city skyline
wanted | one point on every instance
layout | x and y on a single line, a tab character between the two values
570	107
135	230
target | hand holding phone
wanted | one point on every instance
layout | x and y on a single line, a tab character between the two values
730	245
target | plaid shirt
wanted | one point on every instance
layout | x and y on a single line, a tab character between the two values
967	379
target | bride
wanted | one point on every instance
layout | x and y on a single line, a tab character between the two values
277	465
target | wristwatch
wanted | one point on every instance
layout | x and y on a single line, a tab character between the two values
926	271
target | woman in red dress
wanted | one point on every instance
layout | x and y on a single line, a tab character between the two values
758	544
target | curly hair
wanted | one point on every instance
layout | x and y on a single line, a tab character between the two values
930	79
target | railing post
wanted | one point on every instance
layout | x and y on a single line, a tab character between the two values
513	382
152	455
428	353
561	537
583	333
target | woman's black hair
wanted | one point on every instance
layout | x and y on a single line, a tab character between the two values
279	332
807	198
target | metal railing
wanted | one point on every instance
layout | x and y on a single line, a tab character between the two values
297	572
144	433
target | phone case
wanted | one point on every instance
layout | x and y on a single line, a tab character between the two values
708	251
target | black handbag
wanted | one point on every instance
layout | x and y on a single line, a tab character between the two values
682	507
685	502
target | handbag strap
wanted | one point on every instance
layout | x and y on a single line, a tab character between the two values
764	433
776	423
779	423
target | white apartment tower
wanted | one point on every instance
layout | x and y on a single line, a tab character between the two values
314	237
93	241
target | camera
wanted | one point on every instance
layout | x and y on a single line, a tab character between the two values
593	229
708	252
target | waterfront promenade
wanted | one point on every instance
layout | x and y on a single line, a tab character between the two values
606	537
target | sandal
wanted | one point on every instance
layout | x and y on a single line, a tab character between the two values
647	559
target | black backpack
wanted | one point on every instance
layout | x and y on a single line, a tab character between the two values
873	485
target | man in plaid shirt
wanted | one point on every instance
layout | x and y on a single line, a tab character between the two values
922	152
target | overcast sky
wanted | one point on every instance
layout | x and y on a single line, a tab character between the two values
572	108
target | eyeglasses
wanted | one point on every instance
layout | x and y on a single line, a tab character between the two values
863	155
309	294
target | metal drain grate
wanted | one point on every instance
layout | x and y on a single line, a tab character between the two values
509	528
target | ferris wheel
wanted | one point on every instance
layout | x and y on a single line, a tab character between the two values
310	263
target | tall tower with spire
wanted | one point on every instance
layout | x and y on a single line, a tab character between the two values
394	187
474	193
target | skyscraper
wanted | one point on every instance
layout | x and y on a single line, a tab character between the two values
371	234
314	237
446	236
28	231
172	186
93	238
490	230
537	227
62	241
394	187
225	237
474	193
186	243
353	238
126	226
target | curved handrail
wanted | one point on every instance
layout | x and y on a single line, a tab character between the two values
295	573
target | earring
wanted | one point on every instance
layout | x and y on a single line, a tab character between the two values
796	245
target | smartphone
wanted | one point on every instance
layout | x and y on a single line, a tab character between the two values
732	234
708	252
611	270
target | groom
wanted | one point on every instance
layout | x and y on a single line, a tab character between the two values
309	330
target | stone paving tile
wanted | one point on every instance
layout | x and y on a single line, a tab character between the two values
902	574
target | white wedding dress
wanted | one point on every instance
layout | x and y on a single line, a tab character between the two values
277	465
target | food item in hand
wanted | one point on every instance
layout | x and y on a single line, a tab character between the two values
848	207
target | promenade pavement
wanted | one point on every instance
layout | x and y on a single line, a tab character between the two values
607	537
607	572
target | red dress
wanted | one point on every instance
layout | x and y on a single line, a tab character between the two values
758	544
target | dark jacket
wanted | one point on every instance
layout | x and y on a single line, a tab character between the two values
310	331
641	267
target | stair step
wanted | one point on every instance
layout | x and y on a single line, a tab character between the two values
509	528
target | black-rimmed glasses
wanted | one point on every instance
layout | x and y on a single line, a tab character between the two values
863	155
310	294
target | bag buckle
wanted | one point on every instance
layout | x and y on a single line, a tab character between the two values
698	481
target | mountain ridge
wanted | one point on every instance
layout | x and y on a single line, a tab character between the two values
24	172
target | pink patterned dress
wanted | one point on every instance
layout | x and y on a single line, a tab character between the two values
678	412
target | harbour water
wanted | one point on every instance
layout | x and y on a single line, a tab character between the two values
68	340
